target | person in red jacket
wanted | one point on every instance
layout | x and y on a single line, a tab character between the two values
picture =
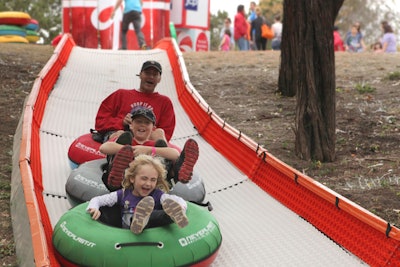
241	29
338	44
114	111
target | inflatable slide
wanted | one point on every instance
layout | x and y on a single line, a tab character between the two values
269	214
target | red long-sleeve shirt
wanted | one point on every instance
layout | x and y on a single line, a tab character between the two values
114	108
240	26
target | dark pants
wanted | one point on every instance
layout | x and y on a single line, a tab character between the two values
112	216
261	44
135	18
158	218
276	44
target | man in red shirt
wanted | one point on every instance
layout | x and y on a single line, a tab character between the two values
241	29
114	112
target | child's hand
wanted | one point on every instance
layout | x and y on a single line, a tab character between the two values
95	213
127	119
139	149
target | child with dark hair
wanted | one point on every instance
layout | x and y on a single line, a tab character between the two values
388	40
225	44
354	41
126	146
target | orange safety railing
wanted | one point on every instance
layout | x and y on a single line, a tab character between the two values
366	235
29	161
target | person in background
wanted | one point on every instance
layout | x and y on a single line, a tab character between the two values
354	41
228	26
357	25
259	41
252	12
114	111
132	14
338	44
251	17
143	199
377	47
241	29
225	44
388	40
277	29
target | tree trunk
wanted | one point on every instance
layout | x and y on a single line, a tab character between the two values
308	71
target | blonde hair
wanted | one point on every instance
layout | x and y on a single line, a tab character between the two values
141	160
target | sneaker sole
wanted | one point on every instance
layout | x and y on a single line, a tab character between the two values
141	215
175	212
191	150
120	163
125	138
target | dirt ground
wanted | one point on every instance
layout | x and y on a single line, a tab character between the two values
241	87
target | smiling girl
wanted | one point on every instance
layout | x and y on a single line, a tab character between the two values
143	199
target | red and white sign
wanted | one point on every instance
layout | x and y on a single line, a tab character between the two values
193	40
90	25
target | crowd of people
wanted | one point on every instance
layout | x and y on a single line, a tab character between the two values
246	31
353	41
246	34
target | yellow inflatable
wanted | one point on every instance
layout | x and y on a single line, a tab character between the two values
32	36
14	18
13	39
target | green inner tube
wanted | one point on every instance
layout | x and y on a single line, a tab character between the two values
12	30
32	33
5	27
83	241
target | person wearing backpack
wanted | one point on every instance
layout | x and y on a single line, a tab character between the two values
257	23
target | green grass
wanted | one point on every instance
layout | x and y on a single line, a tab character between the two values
364	88
339	90
393	76
7	250
5	186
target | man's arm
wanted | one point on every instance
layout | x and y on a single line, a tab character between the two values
108	117
117	5
167	121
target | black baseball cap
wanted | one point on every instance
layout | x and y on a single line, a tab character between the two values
151	63
143	111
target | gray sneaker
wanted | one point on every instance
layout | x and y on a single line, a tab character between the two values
175	211
142	214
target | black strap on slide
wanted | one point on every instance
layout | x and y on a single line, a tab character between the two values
207	204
